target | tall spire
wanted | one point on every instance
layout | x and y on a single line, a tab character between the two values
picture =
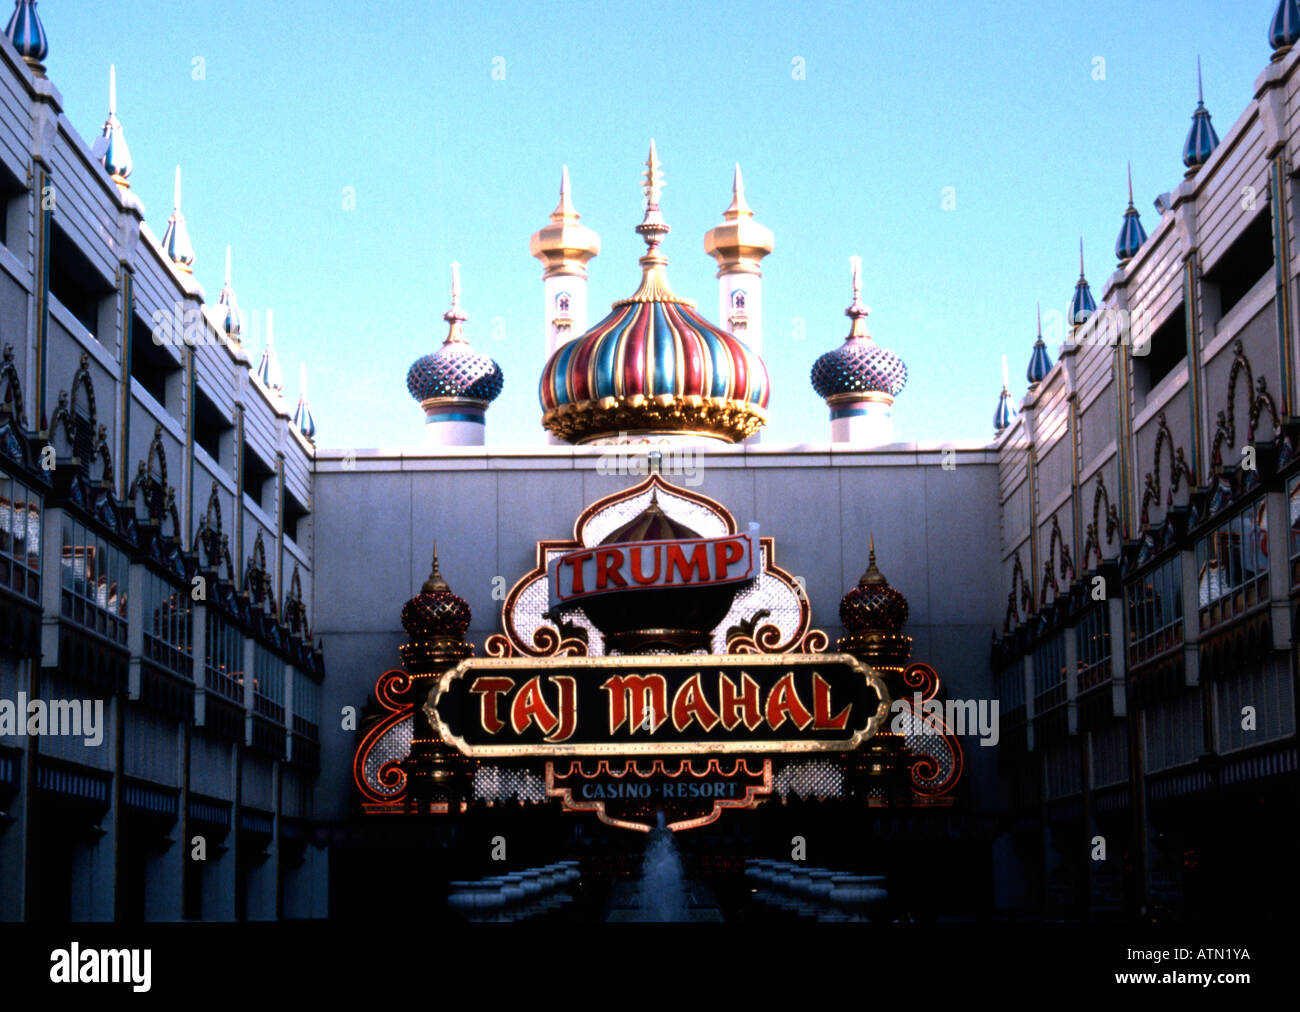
653	228
1040	364
1201	138
1083	305
232	324
738	205
455	316
1131	233
176	240
739	245
857	312
28	36
117	156
268	370
302	416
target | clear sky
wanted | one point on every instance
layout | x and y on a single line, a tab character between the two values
1027	110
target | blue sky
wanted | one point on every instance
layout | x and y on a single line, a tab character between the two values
297	101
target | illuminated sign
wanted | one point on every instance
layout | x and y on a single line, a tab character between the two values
641	565
688	704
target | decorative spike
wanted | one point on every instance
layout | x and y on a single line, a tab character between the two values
455	316
435	582
654	179
873	576
268	370
117	156
857	312
1201	138
233	323
176	240
1131	234
1130	184
1040	364
302	416
738	207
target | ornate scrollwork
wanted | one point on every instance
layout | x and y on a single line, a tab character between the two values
1026	596
1092	542
1065	566
1260	400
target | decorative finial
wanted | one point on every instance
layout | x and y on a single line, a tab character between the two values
27	34
1284	29
857	312
1201	138
268	370
455	316
738	205
1040	364
654	179
176	240
233	324
564	211
1200	91
1131	233
1081	274
1082	305
1130	184
435	582
1040	320
117	156
302	416
873	576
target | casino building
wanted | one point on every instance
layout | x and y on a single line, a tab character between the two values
539	654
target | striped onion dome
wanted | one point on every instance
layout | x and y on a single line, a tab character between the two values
859	365
1131	233
1083	305
117	156
27	34
268	369
302	416
654	365
1283	30
1201	139
455	370
176	240
231	321
1005	413
1040	363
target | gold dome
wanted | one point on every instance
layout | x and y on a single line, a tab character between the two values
739	243
564	246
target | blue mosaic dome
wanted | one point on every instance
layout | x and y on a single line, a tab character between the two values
859	365
455	370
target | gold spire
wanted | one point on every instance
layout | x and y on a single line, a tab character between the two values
653	228
873	576
739	243
435	582
564	246
857	312
455	316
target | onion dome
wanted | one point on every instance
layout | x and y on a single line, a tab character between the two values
27	34
874	614
1201	139
1083	305
1005	413
672	619
268	369
739	243
859	369
231	322
117	157
176	240
1040	363
455	371
1283	30
654	366
564	246
436	620
302	417
1131	233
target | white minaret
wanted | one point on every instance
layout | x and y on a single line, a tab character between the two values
564	247
739	245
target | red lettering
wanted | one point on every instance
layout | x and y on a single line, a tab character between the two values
637	555
490	688
699	563
529	707
822	707
608	563
576	561
783	701
689	704
737	705
568	722
724	554
633	696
